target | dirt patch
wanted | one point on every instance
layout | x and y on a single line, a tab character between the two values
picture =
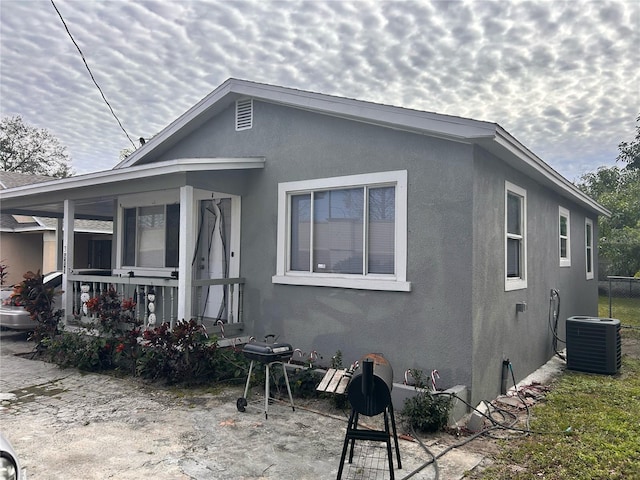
631	344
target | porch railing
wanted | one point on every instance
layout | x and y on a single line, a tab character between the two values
165	301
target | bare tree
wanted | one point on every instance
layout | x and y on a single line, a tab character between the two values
27	149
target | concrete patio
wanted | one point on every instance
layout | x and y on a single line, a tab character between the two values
67	424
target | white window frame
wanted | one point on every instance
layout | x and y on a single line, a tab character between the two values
566	260
390	282
588	248
138	201
516	283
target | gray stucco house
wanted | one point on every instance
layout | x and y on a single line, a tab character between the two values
342	225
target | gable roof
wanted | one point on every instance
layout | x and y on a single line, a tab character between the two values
490	136
142	163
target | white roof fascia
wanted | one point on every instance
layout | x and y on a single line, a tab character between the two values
444	126
181	165
505	140
199	108
44	228
32	228
77	227
367	112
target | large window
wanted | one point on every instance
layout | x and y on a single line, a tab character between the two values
344	231
151	236
515	237
564	239
588	247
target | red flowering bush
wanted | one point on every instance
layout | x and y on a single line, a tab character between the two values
184	354
178	355
38	300
115	315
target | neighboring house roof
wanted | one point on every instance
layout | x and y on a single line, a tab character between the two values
490	136
23	223
86	226
15	179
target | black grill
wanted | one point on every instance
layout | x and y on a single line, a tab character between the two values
265	352
268	353
369	393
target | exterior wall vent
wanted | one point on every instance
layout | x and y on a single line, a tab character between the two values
594	345
244	114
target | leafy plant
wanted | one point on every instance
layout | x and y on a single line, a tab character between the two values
38	301
183	354
303	383
75	349
425	411
3	272
115	315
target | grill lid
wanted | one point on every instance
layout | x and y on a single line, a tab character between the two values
268	352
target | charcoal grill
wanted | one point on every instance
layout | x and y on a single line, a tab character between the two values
270	354
369	393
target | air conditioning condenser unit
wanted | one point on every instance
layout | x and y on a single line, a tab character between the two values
594	345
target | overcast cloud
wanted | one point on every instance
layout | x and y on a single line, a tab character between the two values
563	77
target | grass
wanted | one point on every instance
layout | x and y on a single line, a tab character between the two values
625	309
602	411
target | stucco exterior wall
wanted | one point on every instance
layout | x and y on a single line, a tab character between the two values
21	252
427	328
458	318
499	332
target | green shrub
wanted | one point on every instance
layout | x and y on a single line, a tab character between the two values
303	383
425	411
78	350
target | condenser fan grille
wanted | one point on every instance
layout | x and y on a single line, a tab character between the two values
594	345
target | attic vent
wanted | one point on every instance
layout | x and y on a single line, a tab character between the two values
244	114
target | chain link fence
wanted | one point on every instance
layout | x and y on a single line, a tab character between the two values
623	294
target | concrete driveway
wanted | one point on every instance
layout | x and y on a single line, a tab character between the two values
65	424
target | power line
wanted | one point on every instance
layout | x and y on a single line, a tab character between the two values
91	74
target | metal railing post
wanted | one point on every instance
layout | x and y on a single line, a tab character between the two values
610	313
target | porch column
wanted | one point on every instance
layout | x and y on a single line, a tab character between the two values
187	246
67	256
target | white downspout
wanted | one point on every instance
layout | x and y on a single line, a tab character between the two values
67	256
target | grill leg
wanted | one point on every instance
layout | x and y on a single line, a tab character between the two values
246	388
354	426
286	381
388	441
266	394
395	435
346	444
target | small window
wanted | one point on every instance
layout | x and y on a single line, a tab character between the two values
588	243
515	237
151	236
344	232
564	229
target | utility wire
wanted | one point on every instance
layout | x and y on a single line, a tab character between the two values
91	74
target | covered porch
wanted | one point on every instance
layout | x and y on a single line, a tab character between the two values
176	238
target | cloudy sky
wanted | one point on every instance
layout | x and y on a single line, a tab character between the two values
563	77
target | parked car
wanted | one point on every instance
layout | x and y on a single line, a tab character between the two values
9	463
13	316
